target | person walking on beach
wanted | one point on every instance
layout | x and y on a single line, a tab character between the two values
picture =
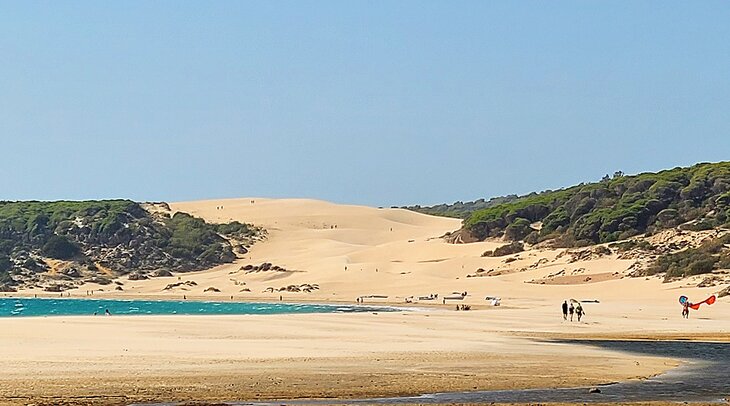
565	310
571	310
685	309
579	311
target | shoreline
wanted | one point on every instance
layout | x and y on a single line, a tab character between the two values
424	347
333	355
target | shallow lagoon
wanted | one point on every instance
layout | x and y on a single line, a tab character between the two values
22	307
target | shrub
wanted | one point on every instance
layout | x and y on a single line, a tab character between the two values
5	264
508	249
6	279
60	247
693	261
518	230
533	238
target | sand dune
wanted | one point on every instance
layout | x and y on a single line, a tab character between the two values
352	251
349	252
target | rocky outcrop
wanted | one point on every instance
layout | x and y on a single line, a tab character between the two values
264	267
107	239
305	288
161	273
180	284
462	236
7	288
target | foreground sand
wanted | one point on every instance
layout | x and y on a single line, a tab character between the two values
394	253
124	359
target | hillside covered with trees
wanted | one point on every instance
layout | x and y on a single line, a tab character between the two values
461	209
97	240
613	209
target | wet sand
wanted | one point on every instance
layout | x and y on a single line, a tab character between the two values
122	360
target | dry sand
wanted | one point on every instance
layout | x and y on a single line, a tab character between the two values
390	252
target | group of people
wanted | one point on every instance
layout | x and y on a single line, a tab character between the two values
571	310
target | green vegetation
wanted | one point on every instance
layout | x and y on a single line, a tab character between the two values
709	256
118	234
59	247
507	249
613	209
460	209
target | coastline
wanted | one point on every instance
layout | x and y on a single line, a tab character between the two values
134	359
85	360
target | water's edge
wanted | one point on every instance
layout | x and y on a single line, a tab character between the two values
703	376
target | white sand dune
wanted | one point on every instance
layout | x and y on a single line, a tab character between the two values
349	252
399	253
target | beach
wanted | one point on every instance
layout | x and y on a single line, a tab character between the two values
384	256
154	358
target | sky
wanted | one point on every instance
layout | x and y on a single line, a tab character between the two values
365	102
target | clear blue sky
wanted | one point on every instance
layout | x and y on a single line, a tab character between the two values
371	102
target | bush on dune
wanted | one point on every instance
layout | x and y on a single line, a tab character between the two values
614	208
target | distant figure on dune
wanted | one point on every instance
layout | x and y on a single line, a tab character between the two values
685	309
565	310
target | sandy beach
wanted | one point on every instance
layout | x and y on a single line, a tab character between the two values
350	252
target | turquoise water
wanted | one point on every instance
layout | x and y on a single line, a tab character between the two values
20	307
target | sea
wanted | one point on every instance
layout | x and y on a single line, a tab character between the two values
31	307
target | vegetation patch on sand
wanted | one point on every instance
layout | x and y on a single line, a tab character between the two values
613	209
711	255
76	240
